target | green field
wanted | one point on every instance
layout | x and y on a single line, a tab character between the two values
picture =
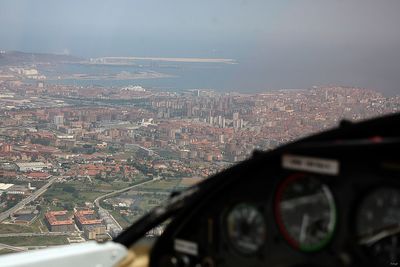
38	225
122	220
6	251
71	199
148	200
79	192
166	185
34	240
76	193
15	228
150	197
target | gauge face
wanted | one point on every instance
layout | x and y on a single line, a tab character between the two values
305	212
386	252
245	228
378	225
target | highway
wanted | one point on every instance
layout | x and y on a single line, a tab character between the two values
97	200
4	215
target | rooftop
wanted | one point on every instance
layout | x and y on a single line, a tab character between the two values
86	217
38	175
51	217
5	186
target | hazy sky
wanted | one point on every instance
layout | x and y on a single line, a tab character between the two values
298	42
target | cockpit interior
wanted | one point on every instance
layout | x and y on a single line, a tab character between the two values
331	199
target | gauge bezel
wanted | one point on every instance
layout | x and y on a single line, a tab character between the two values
227	237
279	220
366	191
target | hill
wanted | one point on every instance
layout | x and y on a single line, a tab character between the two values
18	58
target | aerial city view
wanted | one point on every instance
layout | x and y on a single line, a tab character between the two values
84	162
90	142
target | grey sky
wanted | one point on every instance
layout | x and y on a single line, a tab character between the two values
298	37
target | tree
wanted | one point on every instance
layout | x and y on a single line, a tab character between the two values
68	206
69	189
40	141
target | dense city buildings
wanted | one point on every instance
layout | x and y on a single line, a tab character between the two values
113	110
87	161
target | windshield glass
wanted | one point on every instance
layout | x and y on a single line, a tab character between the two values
107	107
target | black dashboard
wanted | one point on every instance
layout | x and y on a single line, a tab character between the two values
329	200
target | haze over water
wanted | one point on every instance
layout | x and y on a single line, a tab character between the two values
277	44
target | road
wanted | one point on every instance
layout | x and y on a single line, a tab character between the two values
166	193
40	234
97	200
23	248
4	215
2	246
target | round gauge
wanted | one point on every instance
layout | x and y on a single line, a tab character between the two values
245	228
386	252
305	212
378	225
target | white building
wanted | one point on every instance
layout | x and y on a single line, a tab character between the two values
58	120
32	166
4	187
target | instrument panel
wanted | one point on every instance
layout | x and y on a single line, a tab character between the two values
272	215
305	212
245	228
378	225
